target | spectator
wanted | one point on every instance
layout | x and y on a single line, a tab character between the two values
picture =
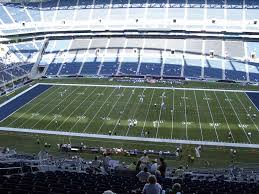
176	189
106	161
138	169
158	176
162	167
179	172
143	175
96	163
152	187
153	167
144	160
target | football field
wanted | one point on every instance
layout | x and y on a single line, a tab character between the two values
153	112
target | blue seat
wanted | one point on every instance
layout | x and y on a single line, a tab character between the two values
53	68
90	68
192	68
129	68
172	70
17	12
109	68
213	69
70	68
4	16
150	69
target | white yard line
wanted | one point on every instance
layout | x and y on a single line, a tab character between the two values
99	110
122	111
135	112
141	139
237	117
198	113
86	111
185	115
172	113
60	112
60	102
223	113
159	117
149	87
144	125
211	117
247	112
77	107
34	105
111	110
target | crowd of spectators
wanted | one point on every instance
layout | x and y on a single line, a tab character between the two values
152	172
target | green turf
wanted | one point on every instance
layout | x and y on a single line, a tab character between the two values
211	157
189	114
160	83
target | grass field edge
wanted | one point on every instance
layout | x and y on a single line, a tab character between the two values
147	87
129	138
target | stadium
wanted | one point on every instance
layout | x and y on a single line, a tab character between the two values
129	96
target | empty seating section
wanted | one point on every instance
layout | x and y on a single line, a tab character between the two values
214	46
5	18
26	51
91	66
9	72
53	69
215	2
213	69
27	67
33	9
66	8
55	66
109	66
129	66
150	69
173	66
193	46
72	57
150	66
195	14
99	9
252	14
17	12
48	9
234	49
71	68
253	69
18	54
192	67
235	70
16	71
47	59
5	77
58	45
252	48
